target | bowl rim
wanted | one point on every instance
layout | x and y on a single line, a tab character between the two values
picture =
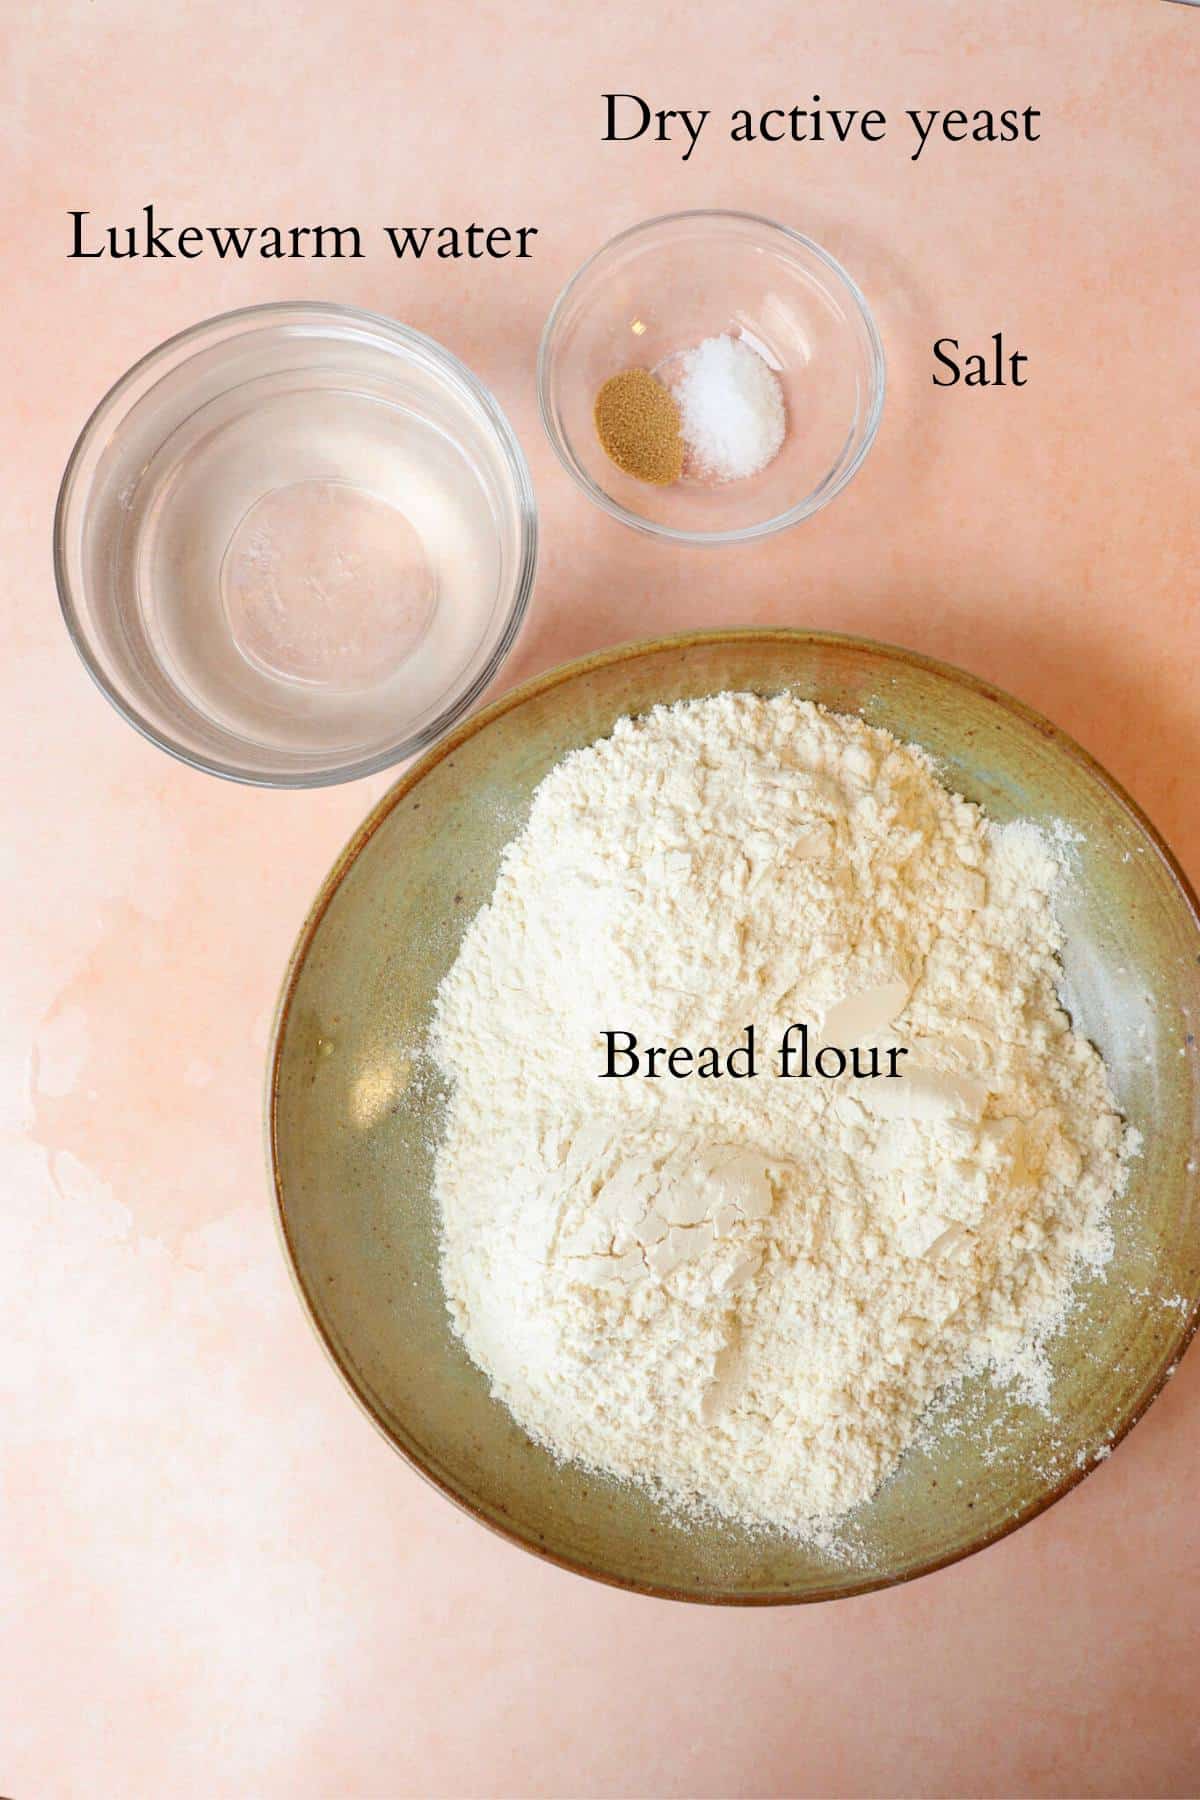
405	337
537	685
813	501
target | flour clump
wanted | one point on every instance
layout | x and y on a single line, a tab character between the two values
746	1293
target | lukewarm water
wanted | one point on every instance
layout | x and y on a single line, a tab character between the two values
304	559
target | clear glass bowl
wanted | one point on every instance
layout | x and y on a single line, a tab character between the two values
295	543
664	286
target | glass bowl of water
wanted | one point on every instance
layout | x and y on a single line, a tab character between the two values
295	543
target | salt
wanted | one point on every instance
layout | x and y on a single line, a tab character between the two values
731	409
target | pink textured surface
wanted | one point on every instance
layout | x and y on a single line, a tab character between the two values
214	1577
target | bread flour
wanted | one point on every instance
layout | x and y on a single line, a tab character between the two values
746	1292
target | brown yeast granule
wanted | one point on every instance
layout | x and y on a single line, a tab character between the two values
638	423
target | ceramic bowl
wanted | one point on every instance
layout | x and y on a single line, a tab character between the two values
353	1121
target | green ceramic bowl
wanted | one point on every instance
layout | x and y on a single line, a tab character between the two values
353	1120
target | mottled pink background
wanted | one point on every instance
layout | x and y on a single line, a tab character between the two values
214	1578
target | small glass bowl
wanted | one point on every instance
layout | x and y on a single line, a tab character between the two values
664	286
295	543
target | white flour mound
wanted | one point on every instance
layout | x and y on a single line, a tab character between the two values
746	1292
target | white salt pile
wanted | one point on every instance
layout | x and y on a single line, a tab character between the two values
731	409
